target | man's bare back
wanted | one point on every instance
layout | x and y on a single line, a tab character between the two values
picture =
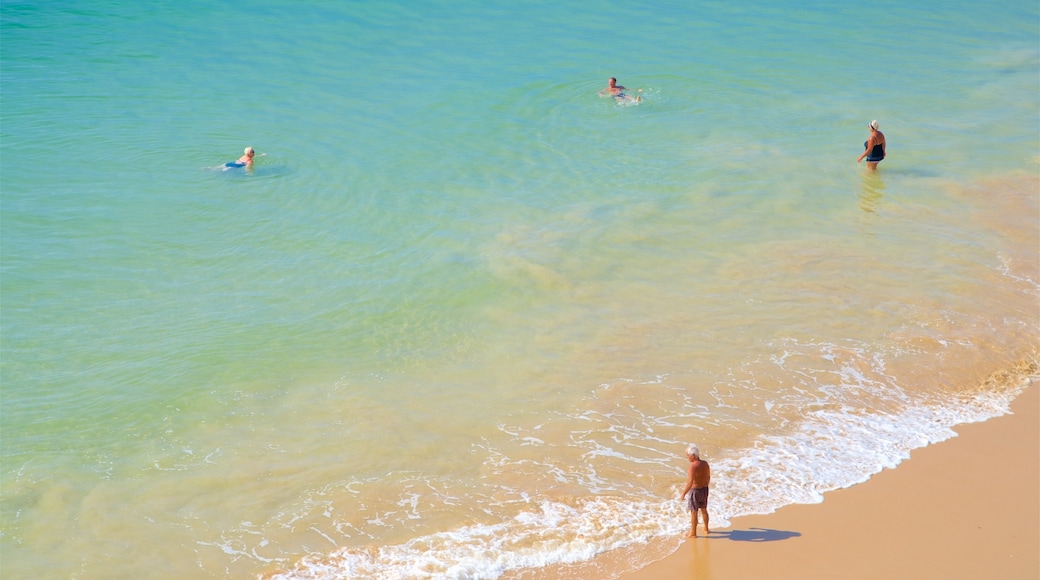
700	473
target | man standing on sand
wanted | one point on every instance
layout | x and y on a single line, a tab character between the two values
697	487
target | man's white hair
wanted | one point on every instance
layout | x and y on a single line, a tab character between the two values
692	450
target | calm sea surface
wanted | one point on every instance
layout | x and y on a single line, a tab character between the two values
463	317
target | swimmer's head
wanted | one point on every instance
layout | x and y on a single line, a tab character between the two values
692	451
873	125
249	151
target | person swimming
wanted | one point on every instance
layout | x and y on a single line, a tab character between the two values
618	92
246	160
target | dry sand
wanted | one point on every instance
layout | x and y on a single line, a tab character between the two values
966	508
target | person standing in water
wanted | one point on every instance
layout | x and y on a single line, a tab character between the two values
618	91
874	148
697	481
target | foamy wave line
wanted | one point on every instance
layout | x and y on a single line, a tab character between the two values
832	449
1007	270
556	533
839	449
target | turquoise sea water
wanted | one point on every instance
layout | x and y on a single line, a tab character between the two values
463	317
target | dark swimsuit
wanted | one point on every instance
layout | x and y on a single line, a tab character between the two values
876	154
234	164
698	499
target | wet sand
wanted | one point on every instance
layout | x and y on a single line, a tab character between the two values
968	507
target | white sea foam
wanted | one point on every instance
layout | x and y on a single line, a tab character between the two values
832	449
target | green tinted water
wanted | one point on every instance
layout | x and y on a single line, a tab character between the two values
460	287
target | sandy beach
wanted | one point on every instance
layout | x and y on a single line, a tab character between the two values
464	314
965	508
968	507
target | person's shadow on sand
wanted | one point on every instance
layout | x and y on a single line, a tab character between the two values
754	535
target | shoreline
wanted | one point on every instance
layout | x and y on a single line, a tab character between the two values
967	507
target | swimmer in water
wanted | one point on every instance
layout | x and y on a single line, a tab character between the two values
618	92
246	160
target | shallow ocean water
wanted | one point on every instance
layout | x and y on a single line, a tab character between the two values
464	316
